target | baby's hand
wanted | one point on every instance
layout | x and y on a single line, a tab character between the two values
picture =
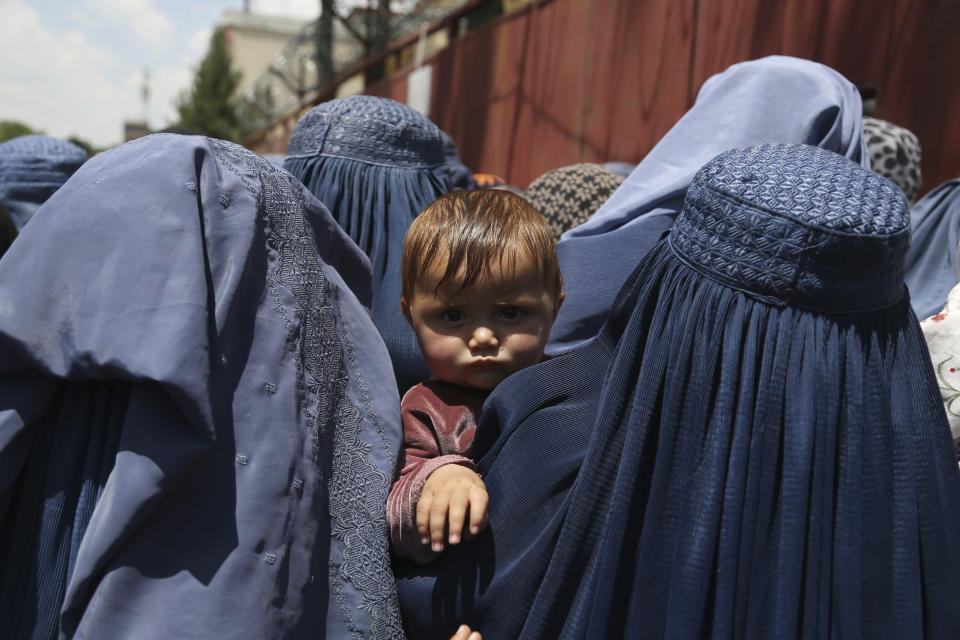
447	494
466	633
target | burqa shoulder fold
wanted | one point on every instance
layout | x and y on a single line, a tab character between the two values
932	265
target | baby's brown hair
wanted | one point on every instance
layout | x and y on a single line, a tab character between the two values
472	229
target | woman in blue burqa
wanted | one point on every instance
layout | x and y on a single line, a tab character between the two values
32	168
376	164
198	420
777	99
932	263
753	447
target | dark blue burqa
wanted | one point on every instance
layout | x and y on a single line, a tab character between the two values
777	99
198	420
753	447
458	175
932	260
376	164
32	168
8	230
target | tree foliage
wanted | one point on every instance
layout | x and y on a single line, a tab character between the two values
208	105
83	144
12	129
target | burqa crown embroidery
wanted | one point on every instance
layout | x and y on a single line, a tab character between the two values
796	224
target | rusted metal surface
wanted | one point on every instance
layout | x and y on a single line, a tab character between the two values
565	81
906	49
638	65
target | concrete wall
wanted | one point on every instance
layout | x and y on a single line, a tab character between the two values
254	41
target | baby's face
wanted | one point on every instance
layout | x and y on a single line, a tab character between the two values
479	335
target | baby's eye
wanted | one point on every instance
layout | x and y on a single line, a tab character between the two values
452	315
509	313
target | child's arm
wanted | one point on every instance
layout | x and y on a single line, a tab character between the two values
422	455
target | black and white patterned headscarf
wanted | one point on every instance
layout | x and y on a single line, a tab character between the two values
894	154
568	196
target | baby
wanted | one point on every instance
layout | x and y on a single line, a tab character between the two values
481	289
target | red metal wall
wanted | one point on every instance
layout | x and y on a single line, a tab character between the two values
593	80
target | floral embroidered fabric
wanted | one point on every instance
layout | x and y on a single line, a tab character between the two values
942	332
320	346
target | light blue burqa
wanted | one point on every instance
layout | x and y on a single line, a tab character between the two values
777	99
32	168
198	419
932	259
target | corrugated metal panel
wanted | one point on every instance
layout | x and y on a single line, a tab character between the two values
567	81
638	67
906	49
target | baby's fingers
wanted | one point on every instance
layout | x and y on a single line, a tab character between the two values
423	516
478	509
459	500
438	520
465	633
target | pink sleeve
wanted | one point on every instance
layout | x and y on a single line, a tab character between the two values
422	455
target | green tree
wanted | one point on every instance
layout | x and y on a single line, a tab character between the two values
11	129
208	105
83	144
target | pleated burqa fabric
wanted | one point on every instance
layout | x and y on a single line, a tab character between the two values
198	420
753	447
32	168
777	99
376	164
458	175
932	260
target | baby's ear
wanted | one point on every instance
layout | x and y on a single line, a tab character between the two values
405	308
559	303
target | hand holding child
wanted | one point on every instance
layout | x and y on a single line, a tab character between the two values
448	494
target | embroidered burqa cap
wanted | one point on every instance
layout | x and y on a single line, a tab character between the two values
568	196
931	269
198	420
33	167
753	447
376	164
777	99
895	154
